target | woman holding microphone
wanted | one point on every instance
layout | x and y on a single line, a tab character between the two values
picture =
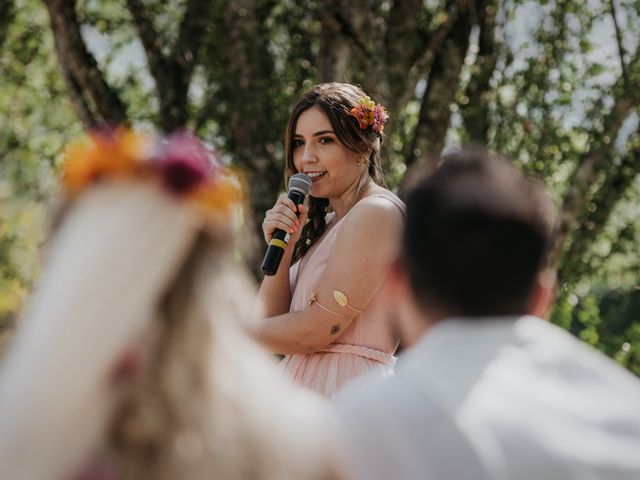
319	305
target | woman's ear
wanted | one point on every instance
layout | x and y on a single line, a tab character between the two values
543	294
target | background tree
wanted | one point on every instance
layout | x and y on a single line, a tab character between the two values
552	84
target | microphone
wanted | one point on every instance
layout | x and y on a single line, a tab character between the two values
299	188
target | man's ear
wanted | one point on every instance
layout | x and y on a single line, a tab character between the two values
396	283
543	293
394	290
387	294
412	320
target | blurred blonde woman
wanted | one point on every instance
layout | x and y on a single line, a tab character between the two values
131	360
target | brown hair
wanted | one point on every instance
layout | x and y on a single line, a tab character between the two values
477	233
336	101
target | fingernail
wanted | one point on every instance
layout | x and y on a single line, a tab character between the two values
295	209
291	230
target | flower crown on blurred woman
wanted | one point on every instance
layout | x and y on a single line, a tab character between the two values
180	163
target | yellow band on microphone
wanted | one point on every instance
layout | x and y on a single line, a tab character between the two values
278	243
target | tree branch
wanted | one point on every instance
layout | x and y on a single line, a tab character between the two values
434	45
621	50
590	166
349	32
194	25
240	43
333	57
433	119
595	160
208	111
400	35
594	220
7	14
333	18
475	112
77	100
151	41
172	73
80	68
335	46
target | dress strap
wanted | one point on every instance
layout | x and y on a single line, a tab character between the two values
361	351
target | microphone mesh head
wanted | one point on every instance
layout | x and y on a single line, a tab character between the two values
300	181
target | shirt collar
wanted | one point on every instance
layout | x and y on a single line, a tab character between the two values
454	353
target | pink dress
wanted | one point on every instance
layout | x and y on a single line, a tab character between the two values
367	345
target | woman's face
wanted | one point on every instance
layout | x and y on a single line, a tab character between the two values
318	152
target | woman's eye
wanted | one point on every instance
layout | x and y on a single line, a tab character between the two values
297	143
325	140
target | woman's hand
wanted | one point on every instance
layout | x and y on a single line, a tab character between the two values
286	216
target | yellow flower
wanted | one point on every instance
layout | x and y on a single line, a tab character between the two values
219	196
105	153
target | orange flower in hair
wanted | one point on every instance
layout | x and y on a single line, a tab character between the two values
370	114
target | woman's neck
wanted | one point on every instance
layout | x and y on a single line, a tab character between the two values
341	205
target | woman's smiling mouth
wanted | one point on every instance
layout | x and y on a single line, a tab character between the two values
315	175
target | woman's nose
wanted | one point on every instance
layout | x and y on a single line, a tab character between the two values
309	154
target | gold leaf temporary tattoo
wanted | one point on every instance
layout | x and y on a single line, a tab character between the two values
340	298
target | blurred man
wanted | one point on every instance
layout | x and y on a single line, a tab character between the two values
488	389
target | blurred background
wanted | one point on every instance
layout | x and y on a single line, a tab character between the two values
554	85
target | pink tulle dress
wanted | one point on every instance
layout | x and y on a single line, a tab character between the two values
367	345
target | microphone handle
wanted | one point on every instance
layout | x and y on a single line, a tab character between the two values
279	240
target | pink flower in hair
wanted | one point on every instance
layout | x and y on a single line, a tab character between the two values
380	116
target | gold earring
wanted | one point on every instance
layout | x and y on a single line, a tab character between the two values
363	161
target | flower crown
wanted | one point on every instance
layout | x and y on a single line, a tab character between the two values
180	163
370	114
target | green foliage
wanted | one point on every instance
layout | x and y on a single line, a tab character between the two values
35	123
606	319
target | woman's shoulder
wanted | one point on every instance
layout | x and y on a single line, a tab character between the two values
381	203
380	209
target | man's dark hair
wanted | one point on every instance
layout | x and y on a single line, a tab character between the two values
477	234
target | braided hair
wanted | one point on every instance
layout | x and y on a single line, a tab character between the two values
336	101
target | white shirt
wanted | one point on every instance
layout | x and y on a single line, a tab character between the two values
502	398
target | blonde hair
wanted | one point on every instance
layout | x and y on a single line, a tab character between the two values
131	263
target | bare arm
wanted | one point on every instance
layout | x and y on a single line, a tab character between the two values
357	267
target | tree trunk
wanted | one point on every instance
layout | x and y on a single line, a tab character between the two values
433	120
246	112
591	165
593	220
94	101
172	73
475	109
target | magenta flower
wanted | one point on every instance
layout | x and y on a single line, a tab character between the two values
380	116
185	162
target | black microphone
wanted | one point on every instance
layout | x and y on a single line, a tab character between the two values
299	187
